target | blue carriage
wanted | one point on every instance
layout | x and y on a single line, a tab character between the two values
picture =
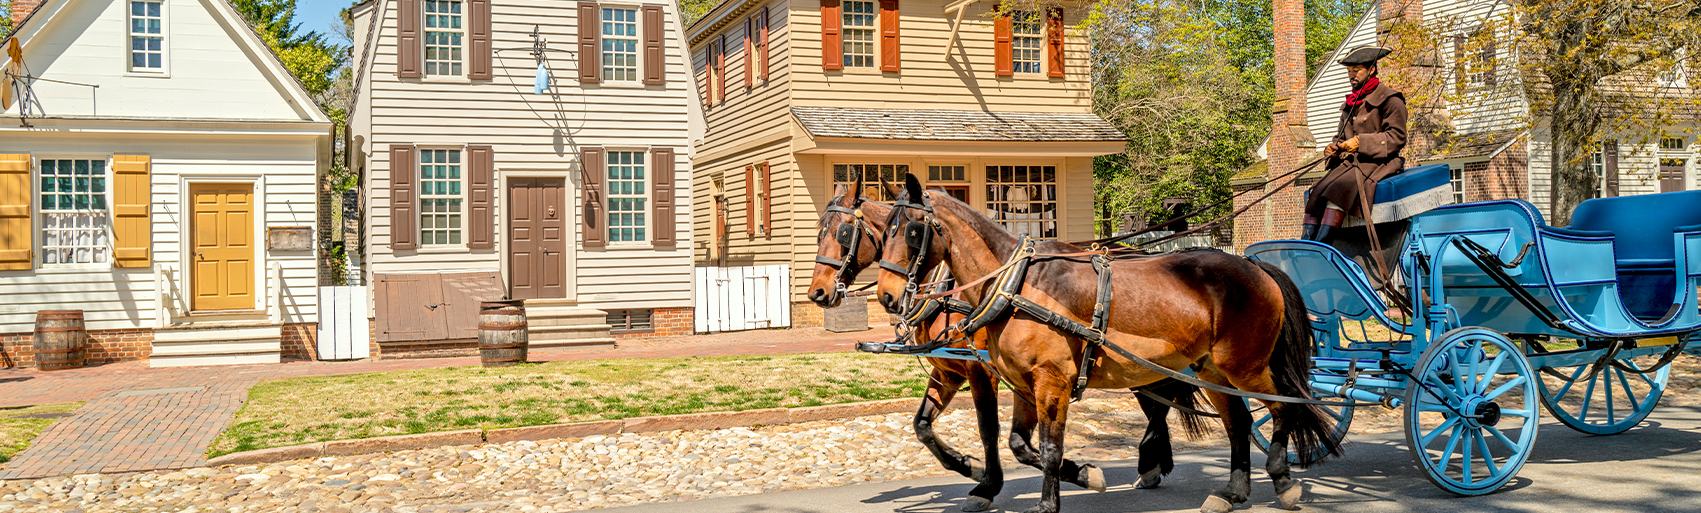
1497	315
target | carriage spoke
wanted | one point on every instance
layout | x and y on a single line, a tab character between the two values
1433	407
1523	414
1504	387
1606	379
1426	439
1588	394
1474	381
1452	397
1505	441
1465	463
1649	380
1261	421
1628	393
1493	370
1452	443
1560	395
1487	456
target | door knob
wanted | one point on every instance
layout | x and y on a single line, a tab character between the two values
200	255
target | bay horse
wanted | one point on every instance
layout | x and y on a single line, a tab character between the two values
1236	323
865	222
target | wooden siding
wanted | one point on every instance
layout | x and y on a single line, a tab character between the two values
531	135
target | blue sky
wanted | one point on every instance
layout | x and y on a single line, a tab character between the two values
319	15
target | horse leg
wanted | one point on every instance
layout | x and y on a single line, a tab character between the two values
985	393
1022	423
941	388
1288	490
1053	413
1157	458
1237	420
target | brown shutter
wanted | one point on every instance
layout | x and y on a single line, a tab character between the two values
1488	55
655	62
408	44
1001	51
481	219
478	34
720	68
762	14
767	201
16	239
590	36
661	195
750	200
1459	77
1609	161
889	55
404	209
749	52
832	46
132	223
593	224
1054	40
707	87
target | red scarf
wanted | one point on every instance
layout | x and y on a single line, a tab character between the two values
1357	97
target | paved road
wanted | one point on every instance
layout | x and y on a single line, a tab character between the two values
1655	467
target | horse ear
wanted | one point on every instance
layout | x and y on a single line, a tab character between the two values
913	187
856	191
892	190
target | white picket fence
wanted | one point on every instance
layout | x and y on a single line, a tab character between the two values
343	330
742	298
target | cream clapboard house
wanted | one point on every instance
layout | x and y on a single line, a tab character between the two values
801	95
485	181
157	171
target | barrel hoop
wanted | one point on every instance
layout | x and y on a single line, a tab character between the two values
64	363
59	351
54	329
501	346
60	314
502	325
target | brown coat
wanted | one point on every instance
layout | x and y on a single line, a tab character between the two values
1380	125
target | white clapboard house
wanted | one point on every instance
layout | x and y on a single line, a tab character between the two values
157	171
535	150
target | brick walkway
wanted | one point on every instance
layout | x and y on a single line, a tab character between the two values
138	418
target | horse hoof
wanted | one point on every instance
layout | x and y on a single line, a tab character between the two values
1290	498
1215	504
977	504
1095	478
977	470
1150	479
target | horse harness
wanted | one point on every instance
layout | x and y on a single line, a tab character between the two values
849	236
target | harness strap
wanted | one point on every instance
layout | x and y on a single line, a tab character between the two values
894	267
1166	402
829	262
1195	212
997	305
1101	307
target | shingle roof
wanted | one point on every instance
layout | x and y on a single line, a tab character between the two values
955	125
1483	144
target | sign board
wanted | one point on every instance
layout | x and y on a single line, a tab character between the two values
289	238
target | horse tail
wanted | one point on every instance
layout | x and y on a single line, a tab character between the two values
1309	425
1193	423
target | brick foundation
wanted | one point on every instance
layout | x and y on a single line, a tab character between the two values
104	346
668	322
300	340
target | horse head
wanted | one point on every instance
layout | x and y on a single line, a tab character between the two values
914	246
848	242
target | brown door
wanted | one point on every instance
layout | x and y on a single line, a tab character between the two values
222	235
1671	175
537	244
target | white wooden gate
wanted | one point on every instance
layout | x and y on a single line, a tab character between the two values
742	298
343	328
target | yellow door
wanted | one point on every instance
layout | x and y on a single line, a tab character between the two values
223	246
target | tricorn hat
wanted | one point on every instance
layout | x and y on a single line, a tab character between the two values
1364	55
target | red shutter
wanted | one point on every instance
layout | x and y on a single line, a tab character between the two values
590	40
832	46
404	210
1001	52
720	68
749	52
593	225
889	35
408	44
1054	42
706	87
763	44
767	201
481	219
655	62
661	195
478	34
750	200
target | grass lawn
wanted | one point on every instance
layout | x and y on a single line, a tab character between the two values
16	434
295	411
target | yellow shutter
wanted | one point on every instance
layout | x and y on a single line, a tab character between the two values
132	228
16	237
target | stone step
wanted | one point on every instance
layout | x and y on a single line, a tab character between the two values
565	316
536	333
216	343
586	343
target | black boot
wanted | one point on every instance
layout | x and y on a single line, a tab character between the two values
1309	232
1324	233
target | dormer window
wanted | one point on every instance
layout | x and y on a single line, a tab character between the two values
147	36
859	34
1025	42
443	35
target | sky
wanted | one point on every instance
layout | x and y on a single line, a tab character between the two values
319	15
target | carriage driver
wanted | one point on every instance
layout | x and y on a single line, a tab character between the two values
1366	147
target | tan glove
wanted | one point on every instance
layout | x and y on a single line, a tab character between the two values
1331	150
1350	145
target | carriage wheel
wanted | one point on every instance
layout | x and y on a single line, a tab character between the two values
1471	415
1261	426
1606	397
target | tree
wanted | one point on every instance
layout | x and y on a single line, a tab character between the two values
313	59
5	19
692	10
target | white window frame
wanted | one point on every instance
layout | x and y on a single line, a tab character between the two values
164	68
636	40
420	196
425	38
1017	38
646	195
1057	202
39	216
1456	182
869	182
847	59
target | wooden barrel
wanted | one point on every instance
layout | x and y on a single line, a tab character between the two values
501	333
59	339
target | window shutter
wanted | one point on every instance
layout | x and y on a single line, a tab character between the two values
408	44
661	195
767	201
750	200
16	237
1459	77
889	55
404	210
1054	42
706	86
762	15
1488	56
1609	157
655	62
720	68
749	52
590	36
481	219
478	34
132	196
1001	51
832	46
592	225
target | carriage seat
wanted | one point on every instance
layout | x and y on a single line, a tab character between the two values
1643	247
1412	192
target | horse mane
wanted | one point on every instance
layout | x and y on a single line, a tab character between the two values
997	237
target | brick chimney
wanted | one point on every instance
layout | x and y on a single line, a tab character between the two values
22	8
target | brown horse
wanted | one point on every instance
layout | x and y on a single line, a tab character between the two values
836	268
1236	323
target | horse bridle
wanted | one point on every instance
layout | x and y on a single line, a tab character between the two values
849	236
918	235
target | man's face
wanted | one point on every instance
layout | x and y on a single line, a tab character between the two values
1359	74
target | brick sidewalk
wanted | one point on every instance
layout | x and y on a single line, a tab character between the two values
140	418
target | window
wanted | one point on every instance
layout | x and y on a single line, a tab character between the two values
627	195
871	173
1023	199
1597	162
631	321
147	36
946	174
74	217
1671	144
858	34
619	44
1025	35
443	38
1458	180
440	197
